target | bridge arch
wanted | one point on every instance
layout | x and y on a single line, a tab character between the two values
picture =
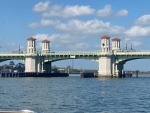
53	59
121	60
138	64
124	60
75	63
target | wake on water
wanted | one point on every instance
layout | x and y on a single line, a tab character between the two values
13	111
27	111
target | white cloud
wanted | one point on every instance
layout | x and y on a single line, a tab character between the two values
80	46
136	43
41	6
54	11
44	22
47	22
89	27
71	11
62	12
108	12
41	37
59	38
122	12
138	31
68	11
59	41
34	25
76	34
143	20
105	12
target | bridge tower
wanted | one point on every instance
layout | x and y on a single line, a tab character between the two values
31	59
117	68
46	49
31	45
115	44
45	46
105	43
105	61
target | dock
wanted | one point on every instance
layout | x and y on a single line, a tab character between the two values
88	75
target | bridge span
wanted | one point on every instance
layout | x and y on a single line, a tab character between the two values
111	59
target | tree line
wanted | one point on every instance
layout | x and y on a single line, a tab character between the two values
12	67
20	67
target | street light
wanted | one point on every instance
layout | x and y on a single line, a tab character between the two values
19	49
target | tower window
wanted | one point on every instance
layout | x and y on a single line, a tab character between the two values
103	44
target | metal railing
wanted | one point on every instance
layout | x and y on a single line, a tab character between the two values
133	53
74	53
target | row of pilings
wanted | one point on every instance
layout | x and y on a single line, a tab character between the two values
34	74
95	75
82	75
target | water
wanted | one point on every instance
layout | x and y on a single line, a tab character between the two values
76	95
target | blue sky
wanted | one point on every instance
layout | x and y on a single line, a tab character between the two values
75	25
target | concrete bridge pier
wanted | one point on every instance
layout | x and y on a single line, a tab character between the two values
114	67
105	66
39	63
47	67
119	71
31	63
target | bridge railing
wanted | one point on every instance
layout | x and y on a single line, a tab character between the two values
73	53
142	52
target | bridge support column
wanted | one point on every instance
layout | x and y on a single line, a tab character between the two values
113	66
119	70
31	63
47	67
39	64
105	66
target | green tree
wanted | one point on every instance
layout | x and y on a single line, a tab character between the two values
20	67
11	64
68	69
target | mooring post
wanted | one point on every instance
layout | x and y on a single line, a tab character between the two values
136	72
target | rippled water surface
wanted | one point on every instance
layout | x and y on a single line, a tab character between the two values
76	95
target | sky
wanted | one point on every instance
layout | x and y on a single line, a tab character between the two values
76	25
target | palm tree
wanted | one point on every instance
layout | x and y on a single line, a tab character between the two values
68	69
11	63
20	67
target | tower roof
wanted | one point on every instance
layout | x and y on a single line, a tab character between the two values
47	41
105	37
116	39
31	38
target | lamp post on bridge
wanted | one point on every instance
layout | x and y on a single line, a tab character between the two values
19	49
126	46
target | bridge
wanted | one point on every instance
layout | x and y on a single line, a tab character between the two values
111	59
